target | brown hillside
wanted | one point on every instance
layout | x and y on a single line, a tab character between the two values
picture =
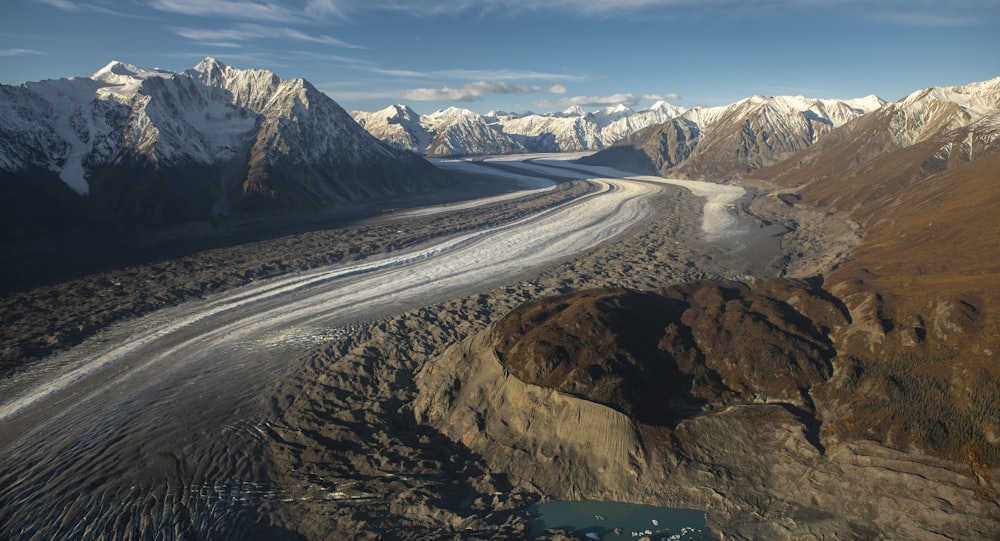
659	356
918	366
863	161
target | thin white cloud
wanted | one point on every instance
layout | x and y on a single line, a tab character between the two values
222	44
624	7
477	74
18	52
925	19
64	5
507	74
322	8
250	31
336	58
232	58
630	100
73	7
476	91
901	12
232	9
662	97
341	95
588	7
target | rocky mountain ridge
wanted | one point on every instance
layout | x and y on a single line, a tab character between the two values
927	132
129	145
721	143
461	132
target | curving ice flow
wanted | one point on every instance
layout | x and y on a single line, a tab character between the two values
718	220
367	288
91	439
526	184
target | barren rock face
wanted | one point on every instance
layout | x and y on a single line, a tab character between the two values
660	356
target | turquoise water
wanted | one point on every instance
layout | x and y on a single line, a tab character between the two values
598	520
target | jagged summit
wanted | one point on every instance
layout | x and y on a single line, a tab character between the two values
209	70
157	147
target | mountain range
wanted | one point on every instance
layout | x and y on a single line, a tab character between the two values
461	132
131	146
721	143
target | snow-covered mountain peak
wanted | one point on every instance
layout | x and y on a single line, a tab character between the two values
452	113
667	108
209	71
609	114
398	125
834	112
399	113
979	99
120	73
450	116
621	108
573	129
866	104
245	84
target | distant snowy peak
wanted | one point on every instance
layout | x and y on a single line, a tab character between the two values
612	113
866	104
573	129
210	72
718	143
928	112
666	108
400	114
460	132
831	111
447	132
397	125
726	142
120	73
980	98
393	114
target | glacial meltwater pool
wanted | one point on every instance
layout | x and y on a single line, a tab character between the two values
611	521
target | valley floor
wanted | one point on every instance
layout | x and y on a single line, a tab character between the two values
330	447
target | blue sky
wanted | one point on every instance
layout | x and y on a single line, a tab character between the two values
519	55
